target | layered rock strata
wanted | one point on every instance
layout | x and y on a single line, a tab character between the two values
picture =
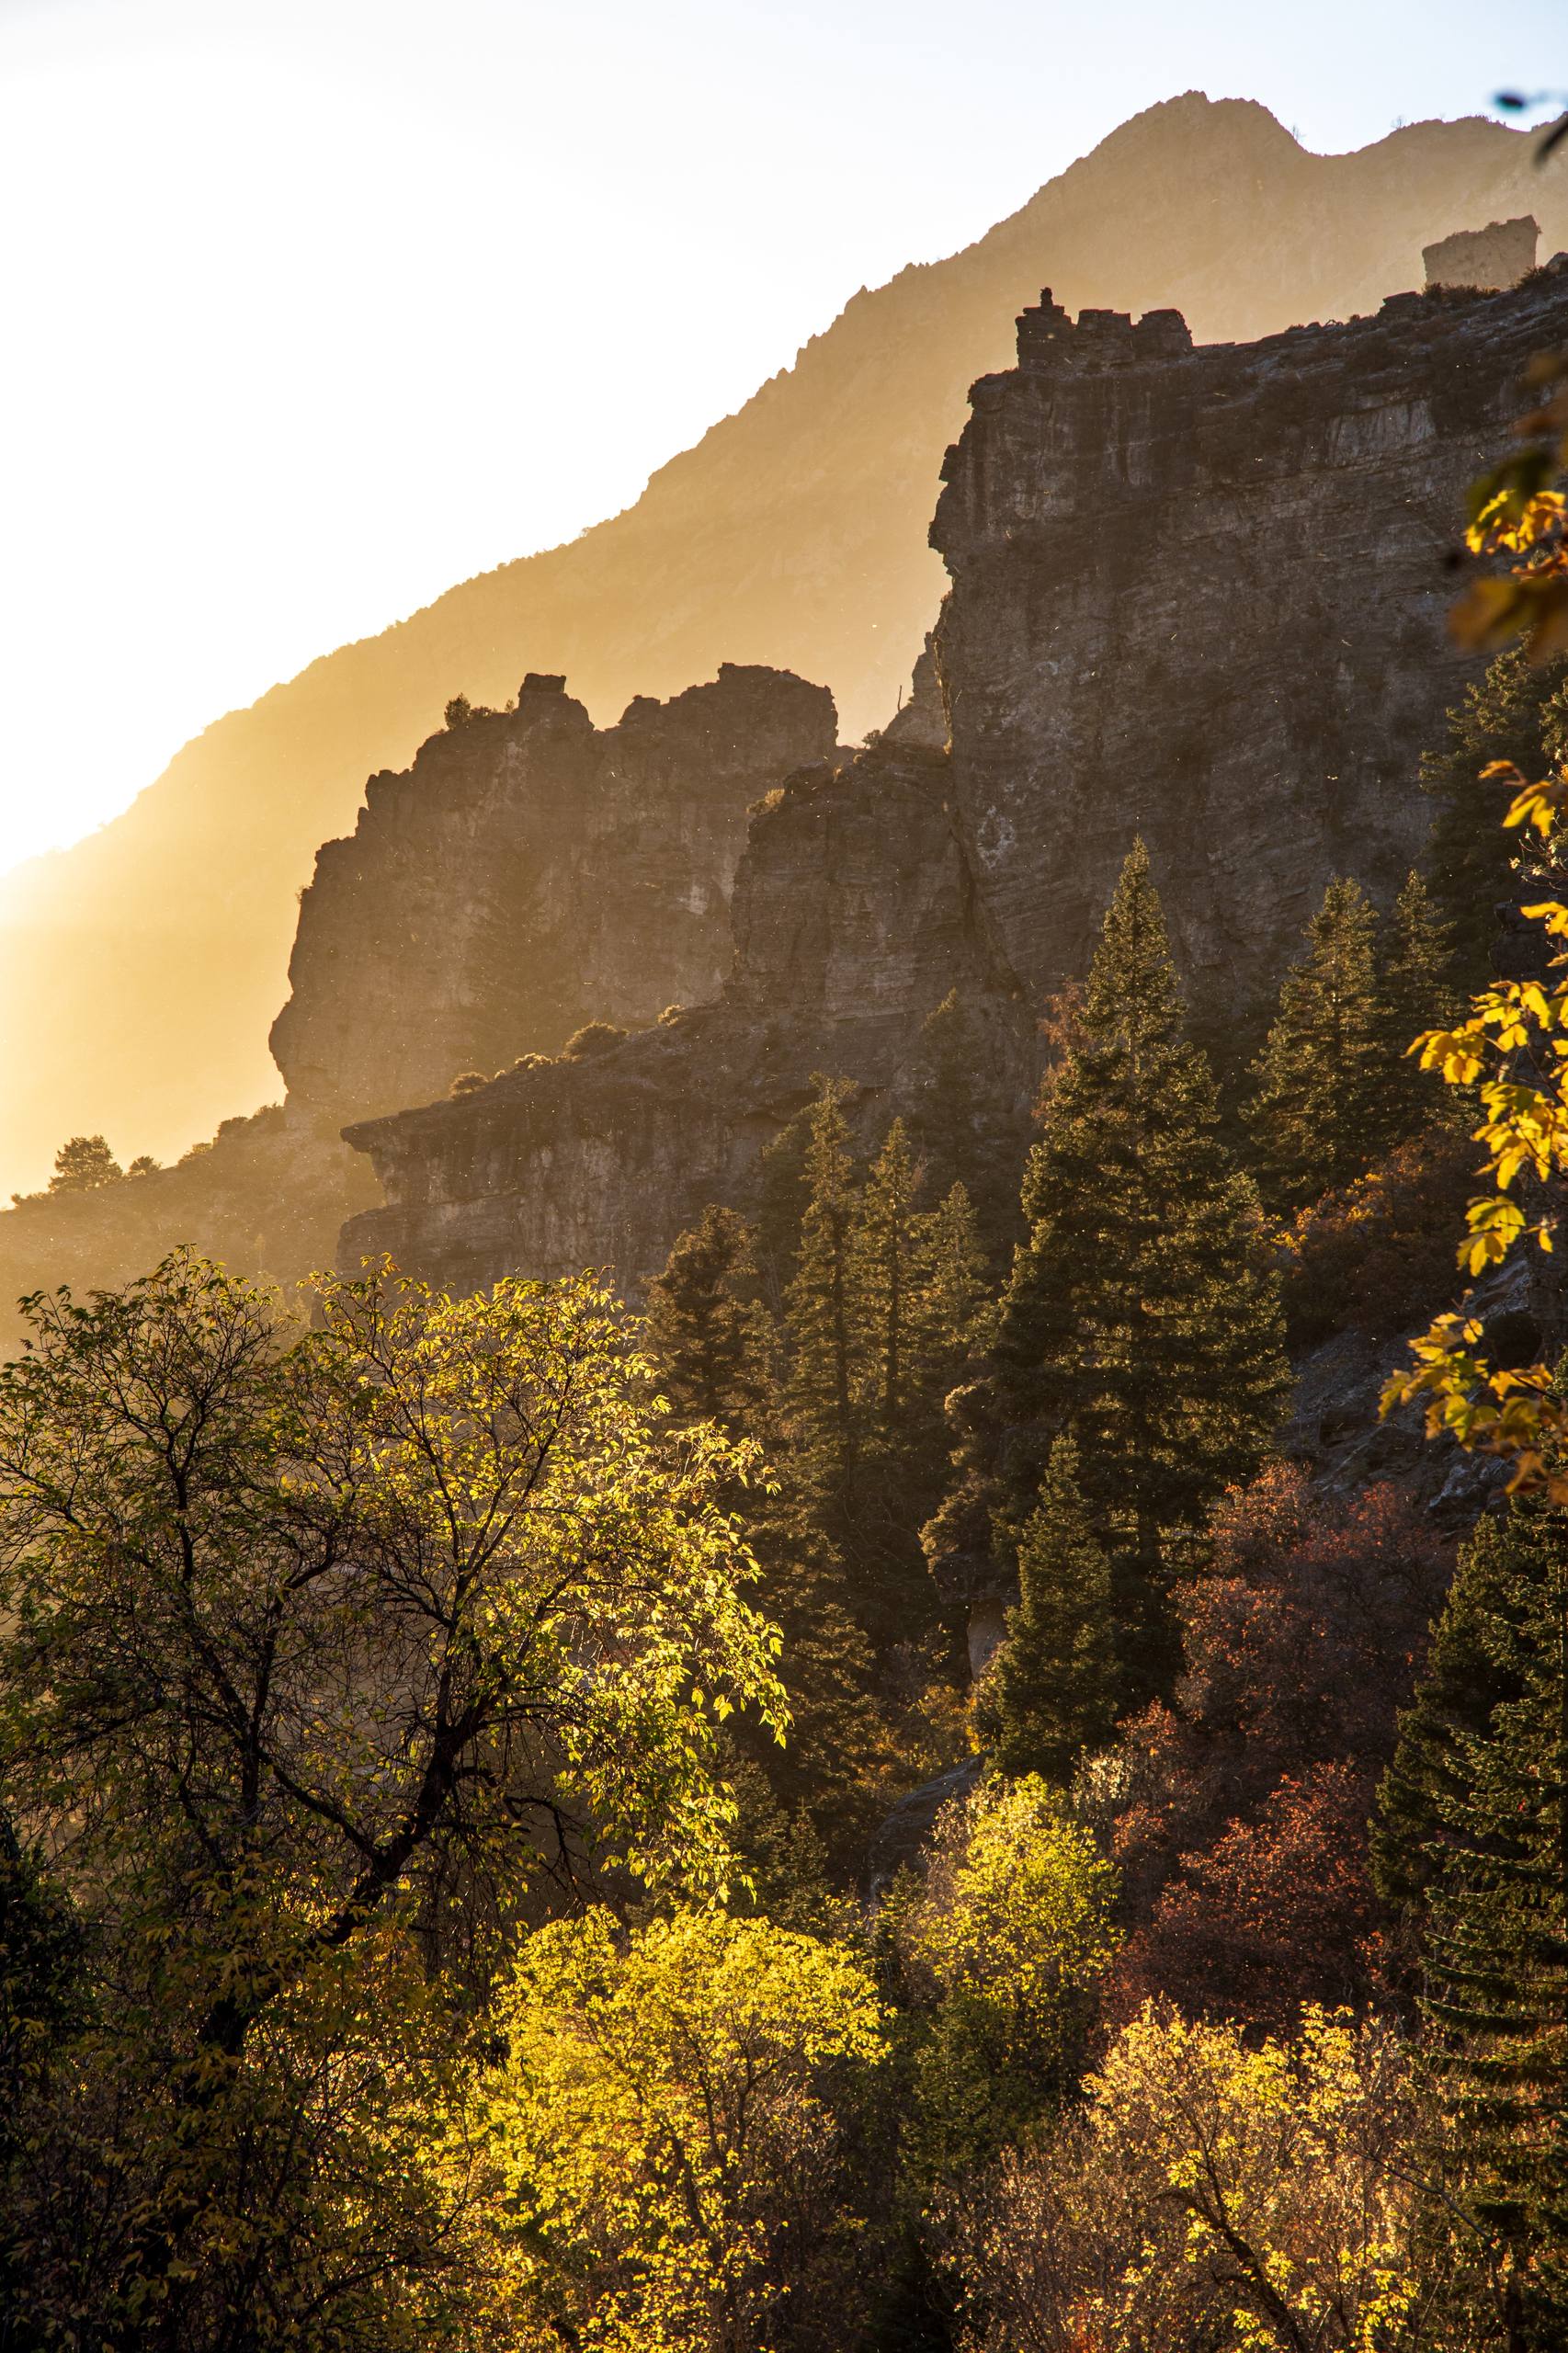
1197	594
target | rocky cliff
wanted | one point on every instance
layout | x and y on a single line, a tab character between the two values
1197	593
527	874
138	971
853	919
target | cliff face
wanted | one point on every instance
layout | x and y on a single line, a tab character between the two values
794	533
1197	595
853	919
529	873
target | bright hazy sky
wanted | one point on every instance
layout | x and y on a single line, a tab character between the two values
314	307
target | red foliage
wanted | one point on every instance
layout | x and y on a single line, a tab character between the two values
1278	1911
1380	1255
1242	1844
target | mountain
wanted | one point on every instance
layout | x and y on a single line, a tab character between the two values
1199	597
140	970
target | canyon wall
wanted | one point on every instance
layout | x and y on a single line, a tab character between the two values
528	873
1197	595
853	920
1200	595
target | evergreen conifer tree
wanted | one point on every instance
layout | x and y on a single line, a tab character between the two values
886	1280
1517	712
1143	1318
710	1339
782	1193
916	1294
1473	1837
1319	1114
1050	1692
1414	993
826	1337
706	1329
952	1306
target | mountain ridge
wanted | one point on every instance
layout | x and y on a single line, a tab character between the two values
143	966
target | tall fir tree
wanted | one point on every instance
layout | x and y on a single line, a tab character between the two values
1474	1838
825	1337
713	1347
885	1275
1143	1318
917	1295
782	1193
1517	712
1414	994
707	1330
1320	1110
952	1304
1050	1692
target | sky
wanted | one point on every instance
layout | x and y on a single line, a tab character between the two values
315	307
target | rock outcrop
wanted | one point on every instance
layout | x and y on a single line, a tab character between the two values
853	919
1197	593
1496	256
527	874
1200	595
794	533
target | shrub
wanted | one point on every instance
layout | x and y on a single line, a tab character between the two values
593	1038
1378	1255
1243	2199
1000	1951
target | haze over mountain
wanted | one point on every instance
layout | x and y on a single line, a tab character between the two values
140	968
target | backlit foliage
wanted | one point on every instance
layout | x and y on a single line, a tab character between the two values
1512	1047
666	2132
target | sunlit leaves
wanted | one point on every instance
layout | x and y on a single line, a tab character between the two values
665	2130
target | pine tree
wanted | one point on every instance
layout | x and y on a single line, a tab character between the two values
82	1164
1460	1685
711	1342
885	1278
1517	712
952	1304
1143	1318
781	1195
1474	1834
1319	1113
1414	994
706	1329
825	1337
1050	1692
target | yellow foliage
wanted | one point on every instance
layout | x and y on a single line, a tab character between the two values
664	2130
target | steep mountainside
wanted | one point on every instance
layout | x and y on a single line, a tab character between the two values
1197	594
138	971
